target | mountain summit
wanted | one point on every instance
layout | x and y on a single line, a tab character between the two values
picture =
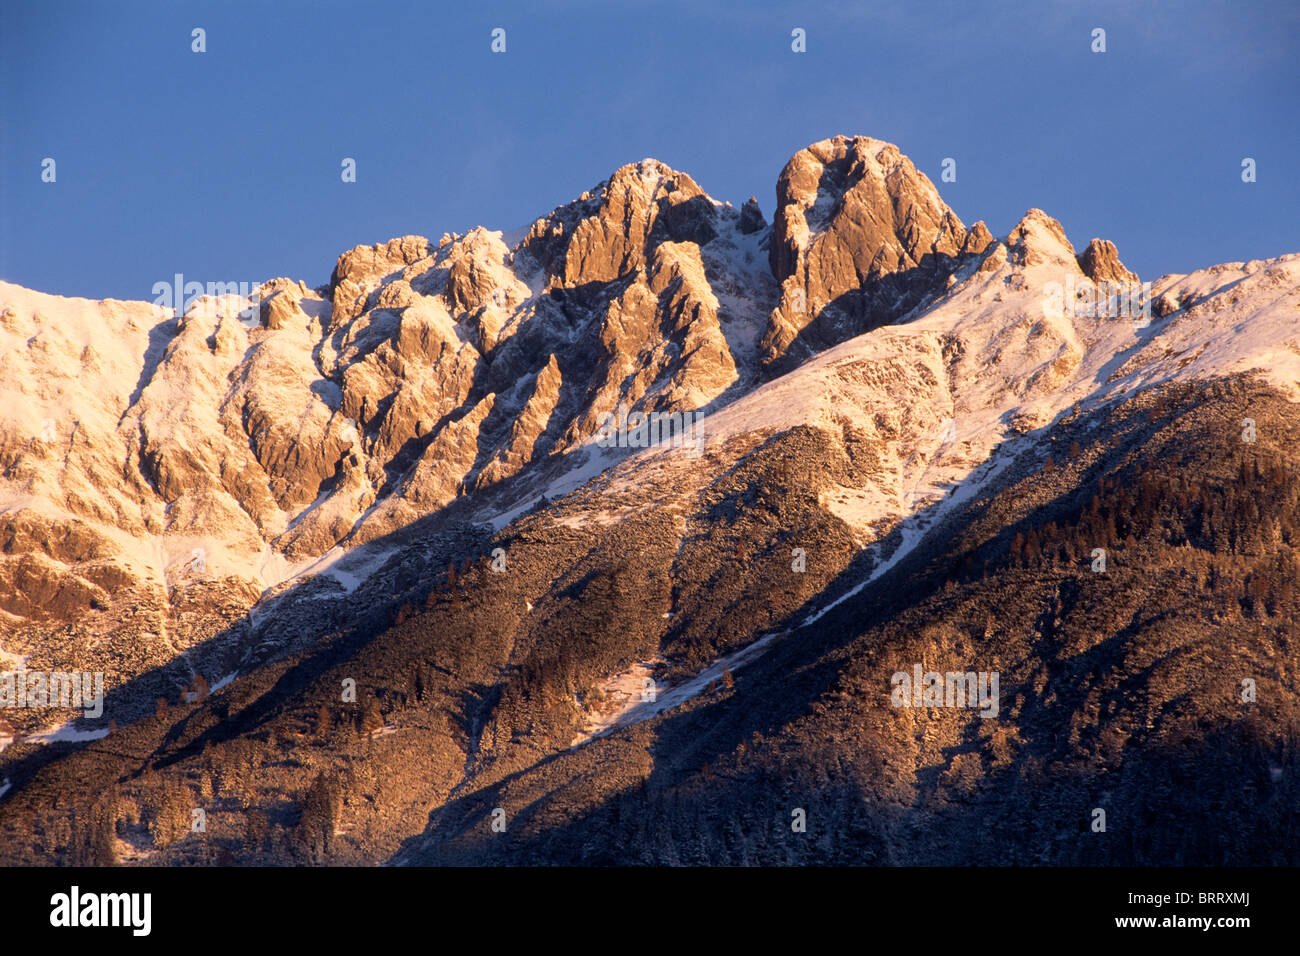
860	238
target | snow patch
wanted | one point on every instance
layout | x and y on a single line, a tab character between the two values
65	733
625	690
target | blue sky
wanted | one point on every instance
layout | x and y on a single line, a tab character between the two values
225	165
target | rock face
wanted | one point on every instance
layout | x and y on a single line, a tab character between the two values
977	239
644	292
860	238
608	232
751	217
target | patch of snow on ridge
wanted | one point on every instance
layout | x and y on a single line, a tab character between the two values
349	569
626	689
67	733
13	662
614	699
224	682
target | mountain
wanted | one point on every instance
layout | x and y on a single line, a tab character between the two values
912	439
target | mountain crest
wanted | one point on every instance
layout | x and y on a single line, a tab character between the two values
606	233
860	238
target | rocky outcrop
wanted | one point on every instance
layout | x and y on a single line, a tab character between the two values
1100	263
860	238
978	239
607	234
363	263
751	217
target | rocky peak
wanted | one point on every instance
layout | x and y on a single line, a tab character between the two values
751	217
361	267
460	365
363	262
1038	238
977	239
858	191
607	233
860	237
1100	263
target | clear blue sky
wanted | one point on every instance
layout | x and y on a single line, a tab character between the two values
225	165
